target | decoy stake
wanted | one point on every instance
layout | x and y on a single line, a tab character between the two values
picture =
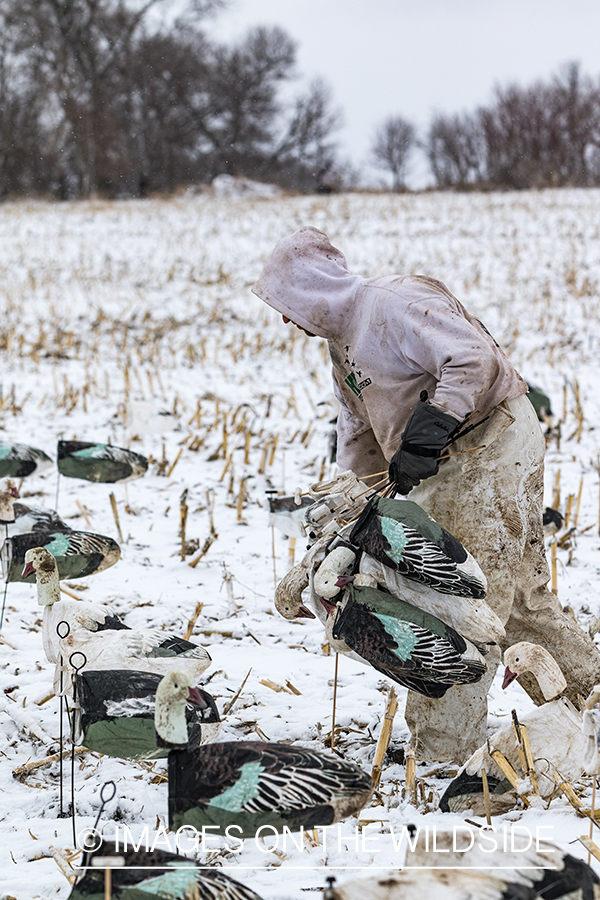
62	629
486	797
592	816
77	669
385	736
113	503
335	680
183	512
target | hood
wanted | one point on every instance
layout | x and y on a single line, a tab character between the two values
307	280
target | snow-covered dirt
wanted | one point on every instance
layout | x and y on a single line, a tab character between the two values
115	313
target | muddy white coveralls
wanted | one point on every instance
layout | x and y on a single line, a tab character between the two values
389	339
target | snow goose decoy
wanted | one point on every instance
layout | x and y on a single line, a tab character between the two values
21	518
77	553
288	593
554	731
144	651
399	534
412	647
152	875
249	784
99	462
19	460
137	715
78	614
471	617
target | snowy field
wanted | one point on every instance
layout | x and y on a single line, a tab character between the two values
112	313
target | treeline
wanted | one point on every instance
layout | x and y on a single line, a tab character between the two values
102	96
108	97
544	135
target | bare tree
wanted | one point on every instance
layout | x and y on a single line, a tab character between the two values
393	144
93	99
576	110
234	109
455	150
76	49
20	139
305	150
242	124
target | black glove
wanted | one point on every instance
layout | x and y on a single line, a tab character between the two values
426	434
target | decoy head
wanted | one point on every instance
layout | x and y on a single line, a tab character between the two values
288	594
291	608
174	692
527	657
329	577
41	563
10	489
8	495
179	687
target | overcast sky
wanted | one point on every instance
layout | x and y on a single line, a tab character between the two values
414	57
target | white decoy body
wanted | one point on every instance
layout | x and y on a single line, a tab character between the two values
148	650
590	727
78	614
554	731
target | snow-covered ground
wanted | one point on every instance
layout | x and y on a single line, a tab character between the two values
113	313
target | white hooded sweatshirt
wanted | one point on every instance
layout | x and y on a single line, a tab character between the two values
389	339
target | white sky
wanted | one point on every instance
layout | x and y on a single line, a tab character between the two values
413	57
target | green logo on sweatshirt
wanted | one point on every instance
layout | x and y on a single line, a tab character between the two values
355	386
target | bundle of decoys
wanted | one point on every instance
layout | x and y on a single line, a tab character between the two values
392	587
